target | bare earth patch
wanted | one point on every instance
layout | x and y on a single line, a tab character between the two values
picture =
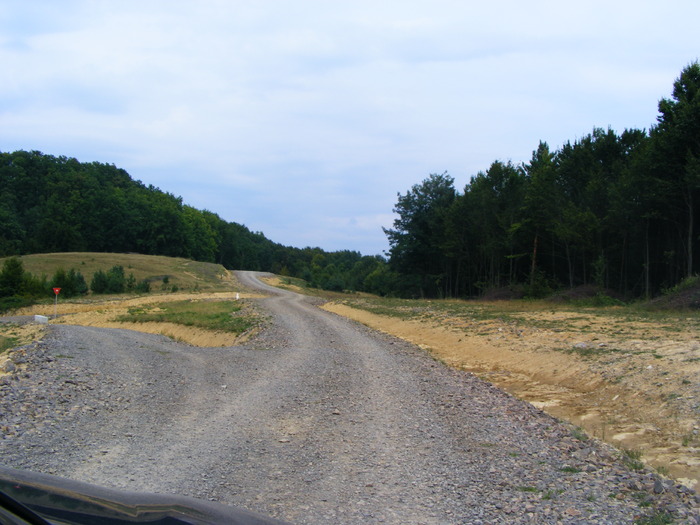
632	384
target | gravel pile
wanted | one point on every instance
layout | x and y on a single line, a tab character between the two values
318	420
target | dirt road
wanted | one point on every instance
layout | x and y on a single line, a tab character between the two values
317	420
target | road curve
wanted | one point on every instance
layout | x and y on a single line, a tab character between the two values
316	420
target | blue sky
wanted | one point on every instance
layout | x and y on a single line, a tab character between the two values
303	119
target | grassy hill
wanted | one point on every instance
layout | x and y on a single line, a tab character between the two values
185	274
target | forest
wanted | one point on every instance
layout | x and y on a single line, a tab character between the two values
614	211
617	212
58	204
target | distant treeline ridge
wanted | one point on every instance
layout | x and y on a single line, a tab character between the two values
614	211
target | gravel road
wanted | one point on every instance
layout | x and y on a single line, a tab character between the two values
316	420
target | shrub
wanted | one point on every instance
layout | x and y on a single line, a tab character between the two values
71	283
116	281
112	281
11	277
99	283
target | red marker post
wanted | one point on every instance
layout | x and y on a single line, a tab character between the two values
55	308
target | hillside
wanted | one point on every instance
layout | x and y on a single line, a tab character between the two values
57	204
184	274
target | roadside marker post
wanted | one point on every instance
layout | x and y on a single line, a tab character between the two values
55	307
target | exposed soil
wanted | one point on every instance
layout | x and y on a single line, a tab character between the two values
633	384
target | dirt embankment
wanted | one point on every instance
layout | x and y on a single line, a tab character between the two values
633	384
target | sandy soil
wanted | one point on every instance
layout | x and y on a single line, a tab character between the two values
634	385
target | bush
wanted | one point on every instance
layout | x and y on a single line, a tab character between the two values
99	283
143	287
112	281
538	287
116	281
131	283
689	283
71	283
11	277
14	302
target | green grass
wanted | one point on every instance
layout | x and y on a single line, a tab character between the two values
7	342
570	470
526	488
224	316
657	518
632	459
518	312
579	433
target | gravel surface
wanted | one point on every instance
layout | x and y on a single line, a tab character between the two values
316	420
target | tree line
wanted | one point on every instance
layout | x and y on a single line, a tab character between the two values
58	204
614	211
617	211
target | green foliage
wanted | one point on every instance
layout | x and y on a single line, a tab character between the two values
57	204
614	211
633	459
539	286
419	234
71	283
211	315
12	277
19	288
99	283
688	283
111	282
659	517
143	286
7	342
13	302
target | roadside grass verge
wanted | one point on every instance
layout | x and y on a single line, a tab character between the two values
222	316
577	316
526	313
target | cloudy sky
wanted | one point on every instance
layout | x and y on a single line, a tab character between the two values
303	119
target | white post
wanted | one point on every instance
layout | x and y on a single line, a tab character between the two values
56	291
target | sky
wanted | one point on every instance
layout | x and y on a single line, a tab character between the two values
305	119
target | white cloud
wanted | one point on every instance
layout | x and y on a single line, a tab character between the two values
313	115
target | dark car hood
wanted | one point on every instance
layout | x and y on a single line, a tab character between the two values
64	501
